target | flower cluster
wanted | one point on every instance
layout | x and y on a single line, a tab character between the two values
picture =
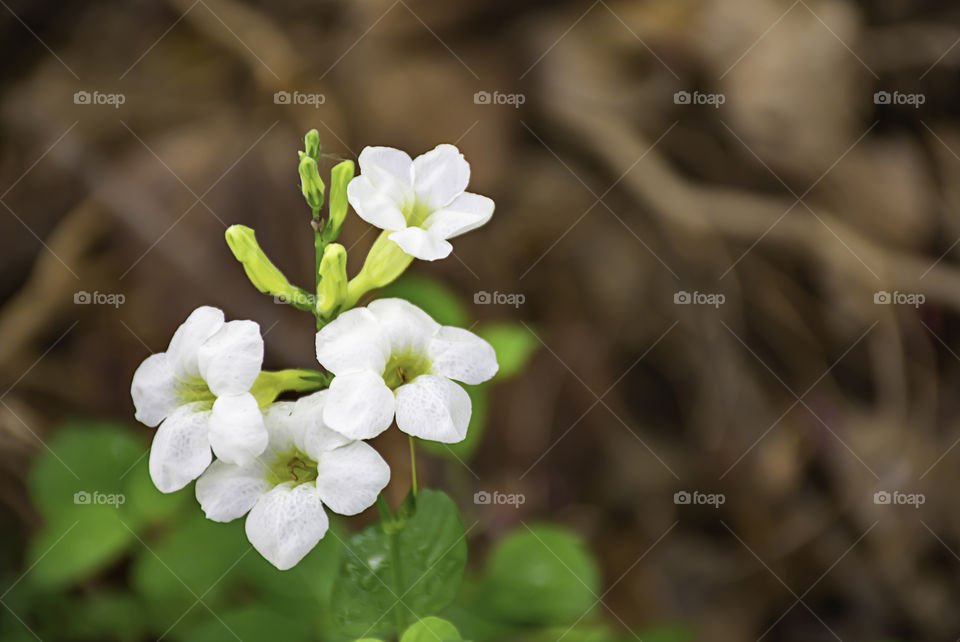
284	463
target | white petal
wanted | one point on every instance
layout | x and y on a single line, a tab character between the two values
237	431
395	163
350	477
433	408
422	244
460	354
199	326
230	360
440	175
181	448
407	327
360	405
286	523
352	341
154	389
314	437
467	212
226	492
380	207
281	428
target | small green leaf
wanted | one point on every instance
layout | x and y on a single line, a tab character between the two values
387	581
541	575
433	296
514	345
431	629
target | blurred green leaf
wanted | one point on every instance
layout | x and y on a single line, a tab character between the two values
514	345
250	623
108	616
541	575
80	486
464	450
422	564
431	629
434	297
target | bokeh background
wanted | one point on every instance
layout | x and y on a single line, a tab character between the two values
812	222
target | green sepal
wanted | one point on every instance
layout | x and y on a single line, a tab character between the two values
270	384
340	177
384	263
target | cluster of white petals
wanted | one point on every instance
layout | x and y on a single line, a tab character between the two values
305	467
198	391
422	201
392	360
284	465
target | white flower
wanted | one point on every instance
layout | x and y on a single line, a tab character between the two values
305	467
392	358
200	390
423	201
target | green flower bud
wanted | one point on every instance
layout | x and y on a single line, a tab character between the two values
264	275
384	263
311	143
311	184
332	288
340	177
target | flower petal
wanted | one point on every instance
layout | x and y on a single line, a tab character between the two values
360	405
380	207
459	354
375	161
237	431
434	408
440	175
281	428
407	327
349	478
422	244
230	360
154	389
353	341
286	523
467	212
226	492
181	448
199	326
314	437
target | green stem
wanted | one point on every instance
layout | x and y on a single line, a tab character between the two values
413	466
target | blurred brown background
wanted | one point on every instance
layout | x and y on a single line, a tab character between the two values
802	199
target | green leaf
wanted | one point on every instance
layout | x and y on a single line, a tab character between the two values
541	575
387	581
255	622
434	297
464	450
431	629
514	345
108	616
80	484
